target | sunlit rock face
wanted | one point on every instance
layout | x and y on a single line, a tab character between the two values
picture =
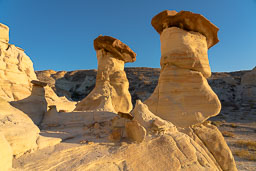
16	70
4	33
111	89
16	74
183	95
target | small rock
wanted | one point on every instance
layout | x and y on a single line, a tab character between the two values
135	131
96	125
115	135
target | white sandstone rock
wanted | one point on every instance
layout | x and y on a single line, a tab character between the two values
18	129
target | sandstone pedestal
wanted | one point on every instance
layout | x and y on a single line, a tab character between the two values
111	89
183	95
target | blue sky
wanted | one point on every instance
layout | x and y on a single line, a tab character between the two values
59	34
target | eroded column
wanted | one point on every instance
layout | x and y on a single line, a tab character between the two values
183	95
111	89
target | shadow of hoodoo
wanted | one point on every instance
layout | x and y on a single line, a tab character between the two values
35	105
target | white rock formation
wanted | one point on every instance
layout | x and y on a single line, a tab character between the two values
183	95
111	89
18	129
150	121
16	74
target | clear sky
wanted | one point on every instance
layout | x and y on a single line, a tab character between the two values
59	34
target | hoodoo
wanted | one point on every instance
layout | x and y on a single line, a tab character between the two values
111	89
183	95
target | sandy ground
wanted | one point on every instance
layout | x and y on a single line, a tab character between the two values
239	124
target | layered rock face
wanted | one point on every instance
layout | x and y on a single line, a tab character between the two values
183	95
16	69
111	89
16	74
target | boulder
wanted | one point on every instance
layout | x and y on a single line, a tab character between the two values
216	144
149	120
135	131
111	89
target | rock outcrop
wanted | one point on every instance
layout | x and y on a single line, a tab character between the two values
216	144
18	129
111	89
248	83
183	95
16	74
35	105
16	70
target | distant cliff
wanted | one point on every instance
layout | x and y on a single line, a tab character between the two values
233	88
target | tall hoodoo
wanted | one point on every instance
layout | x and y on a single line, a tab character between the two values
183	95
111	89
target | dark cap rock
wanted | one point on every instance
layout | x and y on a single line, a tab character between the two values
188	21
39	83
116	47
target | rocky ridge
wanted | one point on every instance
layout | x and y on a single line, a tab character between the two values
76	85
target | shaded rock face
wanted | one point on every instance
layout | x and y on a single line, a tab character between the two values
111	90
34	105
18	129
